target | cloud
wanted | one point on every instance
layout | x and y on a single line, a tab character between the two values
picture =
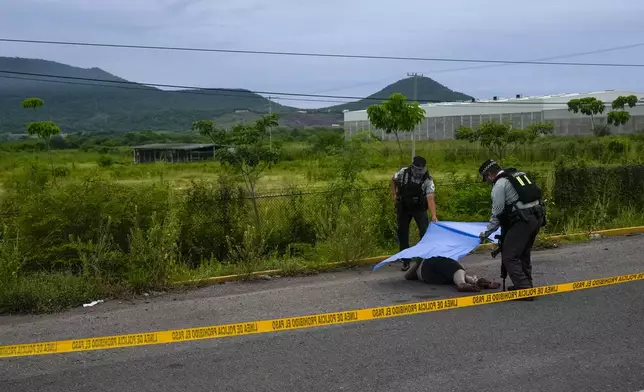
500	29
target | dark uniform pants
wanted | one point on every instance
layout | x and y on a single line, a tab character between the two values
517	247
404	216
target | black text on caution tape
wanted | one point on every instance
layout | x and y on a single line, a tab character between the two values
405	309
314	320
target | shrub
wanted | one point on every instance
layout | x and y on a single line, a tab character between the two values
209	213
582	186
61	171
290	219
11	260
153	252
326	142
596	196
105	161
352	239
50	216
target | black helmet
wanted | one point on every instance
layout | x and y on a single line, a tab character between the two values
419	162
486	166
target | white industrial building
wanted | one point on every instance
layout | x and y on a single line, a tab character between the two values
443	119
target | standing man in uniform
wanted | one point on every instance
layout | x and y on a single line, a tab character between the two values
517	208
412	189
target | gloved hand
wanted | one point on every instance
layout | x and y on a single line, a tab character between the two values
483	236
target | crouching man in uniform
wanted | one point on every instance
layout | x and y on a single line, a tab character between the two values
443	270
518	209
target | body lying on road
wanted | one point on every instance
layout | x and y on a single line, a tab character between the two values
443	270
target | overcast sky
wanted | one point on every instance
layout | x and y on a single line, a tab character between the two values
477	29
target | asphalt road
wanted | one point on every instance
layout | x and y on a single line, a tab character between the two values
591	340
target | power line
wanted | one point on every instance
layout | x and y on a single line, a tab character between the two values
372	82
313	54
117	82
183	91
569	55
598	51
232	94
177	91
227	92
362	84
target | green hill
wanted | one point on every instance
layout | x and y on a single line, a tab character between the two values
83	104
429	90
86	105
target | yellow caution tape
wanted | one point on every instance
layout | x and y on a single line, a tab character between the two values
299	322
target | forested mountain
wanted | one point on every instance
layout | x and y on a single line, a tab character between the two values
93	100
80	103
428	90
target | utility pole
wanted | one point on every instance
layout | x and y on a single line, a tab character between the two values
413	133
270	129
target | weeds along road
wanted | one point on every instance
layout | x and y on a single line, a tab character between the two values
590	340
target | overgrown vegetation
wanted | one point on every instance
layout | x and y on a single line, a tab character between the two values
601	192
106	227
501	139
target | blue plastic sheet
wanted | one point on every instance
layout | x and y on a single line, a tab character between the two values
447	239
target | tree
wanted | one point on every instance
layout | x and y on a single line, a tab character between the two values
32	103
396	115
42	129
618	116
325	142
499	137
209	128
621	101
250	153
590	106
539	129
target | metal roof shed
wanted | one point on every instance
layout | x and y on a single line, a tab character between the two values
173	152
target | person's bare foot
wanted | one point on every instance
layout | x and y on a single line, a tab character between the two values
410	274
486	284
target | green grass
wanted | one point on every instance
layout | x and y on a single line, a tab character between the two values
114	229
50	292
306	167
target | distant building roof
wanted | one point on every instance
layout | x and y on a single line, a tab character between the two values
499	105
561	98
173	146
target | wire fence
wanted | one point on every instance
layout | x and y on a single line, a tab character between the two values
217	220
214	219
315	191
